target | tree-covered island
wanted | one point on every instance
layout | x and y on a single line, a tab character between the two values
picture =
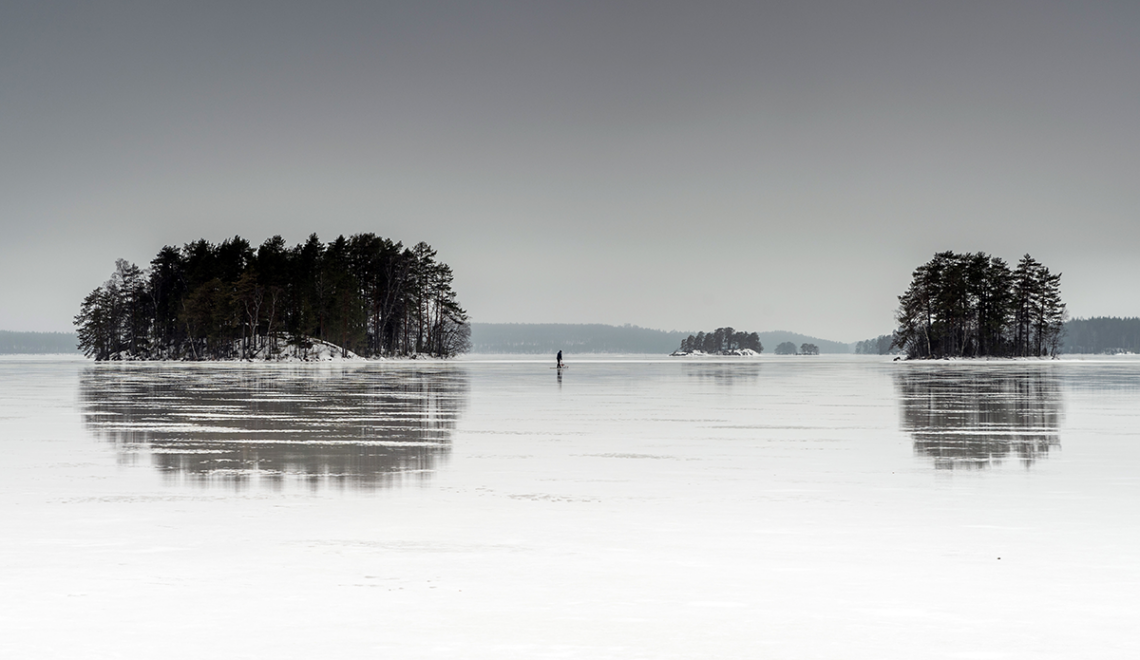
974	305
722	341
364	294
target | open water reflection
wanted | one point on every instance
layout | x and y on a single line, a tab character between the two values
974	418
360	426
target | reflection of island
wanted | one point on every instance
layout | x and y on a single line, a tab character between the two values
970	418
723	374
365	427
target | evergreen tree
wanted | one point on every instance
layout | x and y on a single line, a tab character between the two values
94	325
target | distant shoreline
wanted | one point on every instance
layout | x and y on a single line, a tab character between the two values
38	343
543	338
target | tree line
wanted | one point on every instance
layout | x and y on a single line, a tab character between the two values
881	345
973	304
1103	334
721	340
204	301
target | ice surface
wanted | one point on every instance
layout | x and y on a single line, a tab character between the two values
837	507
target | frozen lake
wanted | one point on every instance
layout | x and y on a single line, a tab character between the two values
798	507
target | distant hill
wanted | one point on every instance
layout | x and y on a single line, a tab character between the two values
540	338
37	342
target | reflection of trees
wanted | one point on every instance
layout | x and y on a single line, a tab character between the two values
363	427
722	374
968	418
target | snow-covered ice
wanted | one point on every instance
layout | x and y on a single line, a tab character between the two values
837	507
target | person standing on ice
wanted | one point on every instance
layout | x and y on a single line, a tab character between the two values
559	359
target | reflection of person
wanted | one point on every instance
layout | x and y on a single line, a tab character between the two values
559	359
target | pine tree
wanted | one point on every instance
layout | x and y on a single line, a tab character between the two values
93	325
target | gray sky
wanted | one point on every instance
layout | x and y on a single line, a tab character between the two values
672	165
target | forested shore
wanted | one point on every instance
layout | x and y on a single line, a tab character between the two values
1103	334
367	295
881	345
972	304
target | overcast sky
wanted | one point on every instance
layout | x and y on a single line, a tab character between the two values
672	165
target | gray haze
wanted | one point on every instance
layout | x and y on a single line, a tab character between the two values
673	165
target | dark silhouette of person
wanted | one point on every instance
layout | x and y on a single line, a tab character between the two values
559	359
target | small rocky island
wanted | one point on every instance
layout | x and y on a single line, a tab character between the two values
722	341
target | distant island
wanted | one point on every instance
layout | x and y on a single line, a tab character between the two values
975	305
359	296
788	348
722	341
